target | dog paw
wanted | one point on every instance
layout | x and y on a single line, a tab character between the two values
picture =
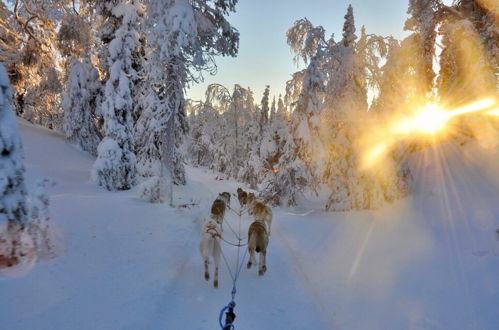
261	272
248	265
215	284
264	268
206	276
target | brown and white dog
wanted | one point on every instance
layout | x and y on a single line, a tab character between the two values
258	240
260	211
210	247
242	196
219	206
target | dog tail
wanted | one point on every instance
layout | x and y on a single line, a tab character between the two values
257	249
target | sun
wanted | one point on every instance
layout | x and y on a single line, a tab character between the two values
429	120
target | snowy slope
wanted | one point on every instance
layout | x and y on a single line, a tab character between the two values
427	262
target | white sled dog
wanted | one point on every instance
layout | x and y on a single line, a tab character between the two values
258	240
260	211
210	247
219	207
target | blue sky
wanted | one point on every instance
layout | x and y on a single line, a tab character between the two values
264	57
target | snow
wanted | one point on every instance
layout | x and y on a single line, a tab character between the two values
430	261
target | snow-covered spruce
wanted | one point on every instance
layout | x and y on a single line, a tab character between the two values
15	243
79	106
115	167
284	176
12	188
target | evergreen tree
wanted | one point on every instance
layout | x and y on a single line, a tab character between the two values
12	188
272	110
349	36
80	101
15	243
281	112
264	109
306	120
115	167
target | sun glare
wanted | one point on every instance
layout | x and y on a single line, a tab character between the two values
481	105
379	150
429	120
494	112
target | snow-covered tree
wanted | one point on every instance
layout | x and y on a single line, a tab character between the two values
115	167
13	209
349	36
306	121
352	66
423	21
272	110
281	112
284	176
12	189
464	61
32	59
79	104
183	36
264	109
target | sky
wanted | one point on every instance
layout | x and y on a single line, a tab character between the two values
264	57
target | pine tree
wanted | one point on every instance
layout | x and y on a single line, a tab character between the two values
80	101
264	109
281	112
349	28
115	167
12	188
272	110
306	119
346	105
307	88
15	243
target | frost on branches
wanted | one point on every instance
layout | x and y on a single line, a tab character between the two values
115	167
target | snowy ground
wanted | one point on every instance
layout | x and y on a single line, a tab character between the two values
427	262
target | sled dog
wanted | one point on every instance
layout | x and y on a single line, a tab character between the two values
258	241
242	196
219	206
260	211
210	247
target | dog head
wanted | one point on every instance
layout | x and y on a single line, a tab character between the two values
218	209
251	201
225	196
242	196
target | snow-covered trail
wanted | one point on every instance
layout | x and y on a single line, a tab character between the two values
277	300
132	265
430	261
